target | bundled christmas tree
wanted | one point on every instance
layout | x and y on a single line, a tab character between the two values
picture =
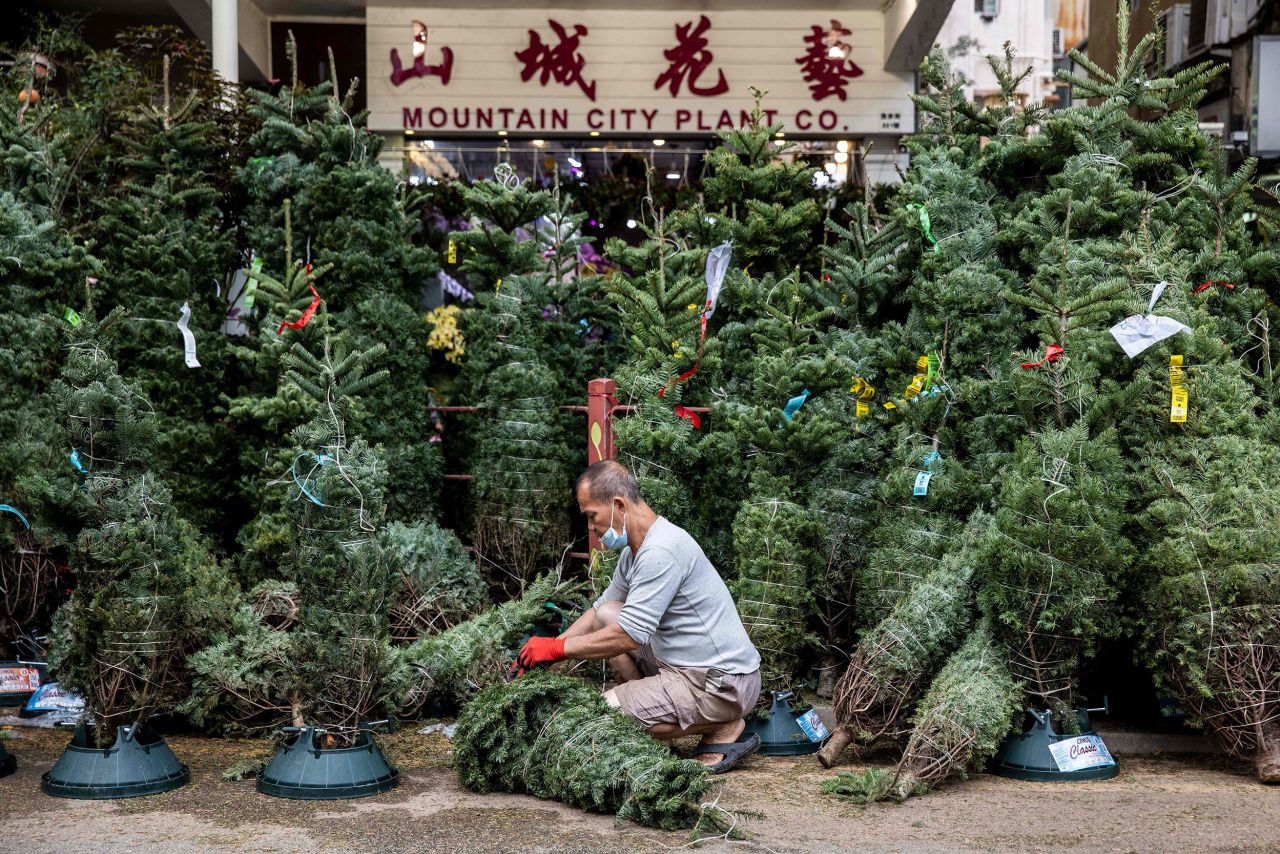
533	347
148	592
892	663
344	573
957	727
555	737
241	683
441	672
440	585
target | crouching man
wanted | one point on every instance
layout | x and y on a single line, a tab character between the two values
666	623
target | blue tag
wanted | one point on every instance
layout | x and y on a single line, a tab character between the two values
75	461
922	482
794	404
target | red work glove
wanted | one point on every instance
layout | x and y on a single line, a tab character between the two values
538	652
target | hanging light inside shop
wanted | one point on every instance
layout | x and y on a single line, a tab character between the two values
659	142
631	223
842	146
502	133
830	166
673	176
538	143
594	133
574	162
841	157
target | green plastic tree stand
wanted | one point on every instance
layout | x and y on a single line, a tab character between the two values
1038	753
302	770
780	733
8	762
138	763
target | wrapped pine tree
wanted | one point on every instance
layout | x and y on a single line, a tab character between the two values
443	671
892	663
1212	636
957	727
148	591
555	737
344	573
440	585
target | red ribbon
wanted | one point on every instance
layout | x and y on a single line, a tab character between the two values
306	315
1204	286
689	415
1052	353
701	341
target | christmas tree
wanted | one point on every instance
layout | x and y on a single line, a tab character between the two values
344	573
555	737
148	592
168	246
446	670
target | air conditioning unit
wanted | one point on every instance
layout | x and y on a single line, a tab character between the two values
1058	52
1174	21
1208	25
988	9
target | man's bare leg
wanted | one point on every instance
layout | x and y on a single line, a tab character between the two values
725	733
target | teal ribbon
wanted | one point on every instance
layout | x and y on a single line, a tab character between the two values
794	404
925	225
9	508
75	461
321	459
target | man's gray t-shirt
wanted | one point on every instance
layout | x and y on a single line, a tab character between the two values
676	602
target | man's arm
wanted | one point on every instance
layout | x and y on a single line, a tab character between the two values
605	643
582	625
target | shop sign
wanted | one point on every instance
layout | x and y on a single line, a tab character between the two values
475	71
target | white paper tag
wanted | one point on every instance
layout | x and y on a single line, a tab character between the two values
1138	332
813	726
1083	751
188	338
717	266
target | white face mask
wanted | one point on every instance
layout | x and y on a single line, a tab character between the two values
611	539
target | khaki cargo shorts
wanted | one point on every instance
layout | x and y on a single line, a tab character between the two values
685	696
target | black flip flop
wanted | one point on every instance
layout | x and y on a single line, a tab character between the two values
733	753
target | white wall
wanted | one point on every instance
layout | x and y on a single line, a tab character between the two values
1028	24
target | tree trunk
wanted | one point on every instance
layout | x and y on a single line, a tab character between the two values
1267	761
830	753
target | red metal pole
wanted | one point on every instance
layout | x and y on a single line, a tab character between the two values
600	403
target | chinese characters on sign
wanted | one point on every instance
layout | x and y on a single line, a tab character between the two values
690	56
826	64
561	63
420	68
653	70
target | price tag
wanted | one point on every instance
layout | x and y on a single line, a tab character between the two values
1178	391
453	252
922	482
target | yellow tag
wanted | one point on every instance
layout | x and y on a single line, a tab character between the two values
1178	391
499	287
918	381
453	252
890	405
864	391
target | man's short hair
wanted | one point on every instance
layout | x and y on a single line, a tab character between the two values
606	480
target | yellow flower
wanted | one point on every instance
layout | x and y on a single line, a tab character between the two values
445	334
